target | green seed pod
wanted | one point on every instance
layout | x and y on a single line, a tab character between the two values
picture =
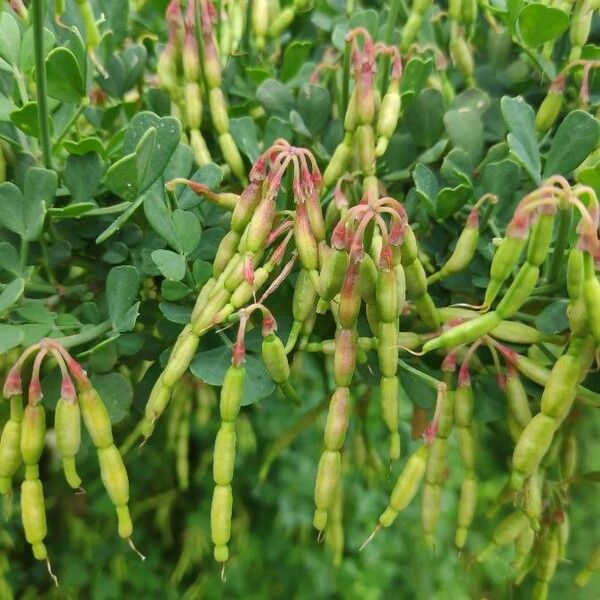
224	454
461	55
387	295
581	22
406	486
463	406
465	332
523	546
430	511
220	520
275	359
333	268
365	140
531	447
559	392
591	295
505	533
350	299
344	358
410	30
466	510
400	287
436	461
193	105
466	447
180	359
10	453
305	297
389	112
199	148
232	156
351	116
547	560
408	249
339	161
306	244
114	475
446	414
463	252
416	280
540	239
96	418
368	278
232	392
328	476
568	457
337	419
387	350
218	110
67	423
225	252
516	397
519	291
389	387
549	111
532	499
33	515
469	11
455	10
33	431
504	261
260	21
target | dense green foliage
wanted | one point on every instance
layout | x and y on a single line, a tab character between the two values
141	156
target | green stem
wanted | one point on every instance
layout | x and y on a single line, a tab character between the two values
108	210
387	38
565	216
37	17
427	379
24	254
346	67
63	134
83	337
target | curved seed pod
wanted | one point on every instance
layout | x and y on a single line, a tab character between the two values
523	546
328	476
466	510
338	418
503	263
505	533
33	515
67	422
115	480
532	498
334	264
339	161
10	445
406	486
275	359
519	291
516	397
220	521
225	252
96	418
33	431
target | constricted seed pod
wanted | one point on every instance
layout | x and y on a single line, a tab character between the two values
232	392
344	358
328	476
33	515
67	423
224	454
505	533
33	431
338	417
96	418
220	521
466	510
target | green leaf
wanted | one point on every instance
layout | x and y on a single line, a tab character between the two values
26	119
465	130
188	230
414	78
122	286
10	40
426	185
82	176
159	216
170	264
121	177
575	139
450	200
24	213
294	57
275	97
175	312
11	293
116	392
10	337
314	106
9	258
84	146
65	81
522	140
211	365
553	319
539	24
245	135
424	117
27	60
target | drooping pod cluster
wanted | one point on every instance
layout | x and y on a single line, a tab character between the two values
269	20
238	269
189	70
23	440
540	205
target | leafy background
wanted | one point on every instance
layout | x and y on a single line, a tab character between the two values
96	248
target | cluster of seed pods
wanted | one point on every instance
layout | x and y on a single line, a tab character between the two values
189	69
24	434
